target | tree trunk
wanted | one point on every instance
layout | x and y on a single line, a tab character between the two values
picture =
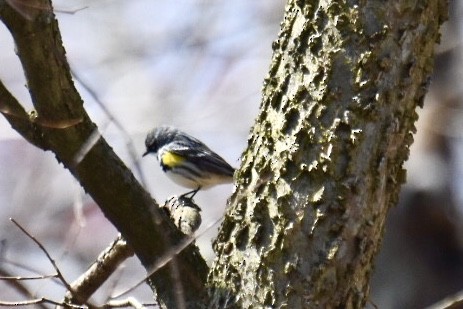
324	160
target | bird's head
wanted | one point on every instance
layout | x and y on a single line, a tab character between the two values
159	137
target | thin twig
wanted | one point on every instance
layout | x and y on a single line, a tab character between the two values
130	146
21	278
71	11
22	303
37	301
20	266
20	287
52	261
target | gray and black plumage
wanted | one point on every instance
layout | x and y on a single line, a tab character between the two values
186	160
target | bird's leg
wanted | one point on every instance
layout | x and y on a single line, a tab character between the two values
192	193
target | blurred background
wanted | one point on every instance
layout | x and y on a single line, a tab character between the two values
199	65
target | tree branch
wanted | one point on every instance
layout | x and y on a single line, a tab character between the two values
62	122
15	114
104	266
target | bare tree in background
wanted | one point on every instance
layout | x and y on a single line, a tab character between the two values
323	165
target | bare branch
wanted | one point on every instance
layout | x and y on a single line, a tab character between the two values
185	215
125	202
36	301
163	260
23	278
19	286
71	11
23	303
52	261
18	118
20	266
99	271
128	140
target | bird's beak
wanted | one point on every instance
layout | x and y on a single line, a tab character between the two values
146	152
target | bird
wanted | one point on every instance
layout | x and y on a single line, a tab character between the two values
186	160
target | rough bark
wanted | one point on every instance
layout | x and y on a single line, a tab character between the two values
61	125
324	161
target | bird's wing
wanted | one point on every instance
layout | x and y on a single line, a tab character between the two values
197	152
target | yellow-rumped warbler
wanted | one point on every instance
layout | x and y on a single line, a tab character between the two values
186	160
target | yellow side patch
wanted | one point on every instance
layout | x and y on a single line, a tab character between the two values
172	160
